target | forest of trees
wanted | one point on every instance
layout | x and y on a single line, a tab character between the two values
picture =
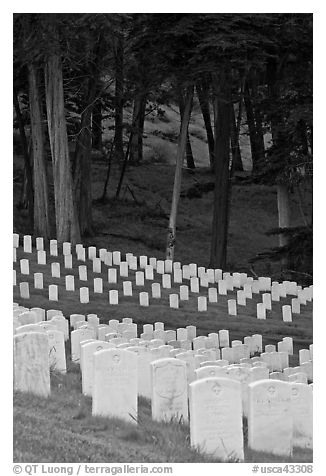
71	71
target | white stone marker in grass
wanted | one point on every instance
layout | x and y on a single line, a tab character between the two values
97	265
98	285
255	287
156	290
222	288
289	344
102	253
61	324
51	313
194	284
166	281
270	348
182	333
307	367
112	275
31	363
216	418
257	343
14	255
186	274
203	281
24	290
53	292
224	338
70	283
301	409
76	337
212	294
87	351
116	257
247	290
41	257
311	350
82	272
27	244
81	253
258	373
170	335
39	243
143	261
39	312
127	288
91	252
192	269
267	301
174	301
55	270
177	276
57	351
275	292
24	266
218	274
199	342
241	298
192	332
114	297
169	390
184	293
16	240
53	248
84	295
115	384
124	269
38	280
143	299
201	303
139	276
159	326
232	307
302	297
270	420
66	248
149	272
152	261
261	310
287	313
67	261
295	305
304	356
168	266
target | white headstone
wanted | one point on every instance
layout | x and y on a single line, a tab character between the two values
143	299
24	266
57	351
115	384
287	313
41	257
66	248
212	294
76	337
269	418
166	281
53	292
70	283
53	248
28	244
38	280
82	272
174	301
184	293
201	303
156	290
301	409
139	276
98	285
114	296
127	288
84	295
169	390
31	363
87	363
216	418
232	307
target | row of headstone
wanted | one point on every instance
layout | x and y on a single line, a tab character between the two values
198	276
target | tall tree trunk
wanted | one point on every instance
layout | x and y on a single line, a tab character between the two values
251	125
118	117
202	92
65	209
97	125
41	198
138	119
182	142
222	122
189	154
28	170
283	202
82	176
235	148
